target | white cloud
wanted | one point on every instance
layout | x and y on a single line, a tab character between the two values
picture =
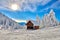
25	5
56	5
44	2
18	20
45	9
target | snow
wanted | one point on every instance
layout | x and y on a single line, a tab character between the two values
51	33
10	30
7	23
50	19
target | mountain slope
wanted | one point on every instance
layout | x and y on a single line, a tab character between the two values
7	23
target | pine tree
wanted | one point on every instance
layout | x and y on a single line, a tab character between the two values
49	20
38	19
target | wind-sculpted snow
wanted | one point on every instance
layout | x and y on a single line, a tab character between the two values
50	33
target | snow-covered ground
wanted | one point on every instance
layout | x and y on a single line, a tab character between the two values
51	33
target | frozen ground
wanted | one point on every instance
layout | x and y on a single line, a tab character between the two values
40	34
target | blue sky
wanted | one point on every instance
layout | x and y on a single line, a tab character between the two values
28	9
